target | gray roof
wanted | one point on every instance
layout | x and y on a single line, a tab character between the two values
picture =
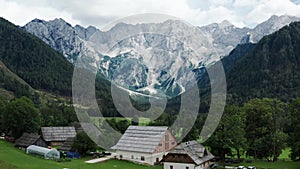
27	139
67	145
194	150
58	133
141	138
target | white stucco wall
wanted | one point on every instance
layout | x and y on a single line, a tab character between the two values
149	158
179	166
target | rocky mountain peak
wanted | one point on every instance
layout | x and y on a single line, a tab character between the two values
113	50
225	23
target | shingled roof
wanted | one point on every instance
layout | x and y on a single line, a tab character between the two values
141	138
194	150
27	139
58	133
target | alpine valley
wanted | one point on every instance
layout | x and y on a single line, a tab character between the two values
25	68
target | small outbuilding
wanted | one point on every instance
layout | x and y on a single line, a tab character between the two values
42	151
145	144
28	139
56	136
188	155
67	145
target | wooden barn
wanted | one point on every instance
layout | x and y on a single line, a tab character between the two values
145	144
56	136
28	139
67	145
189	155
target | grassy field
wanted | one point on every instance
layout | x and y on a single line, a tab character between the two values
273	165
13	158
285	154
284	162
142	121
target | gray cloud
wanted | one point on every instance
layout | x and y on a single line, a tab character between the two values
99	13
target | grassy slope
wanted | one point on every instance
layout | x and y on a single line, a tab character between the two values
12	158
9	94
13	75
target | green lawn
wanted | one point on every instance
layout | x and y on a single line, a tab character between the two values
13	158
285	154
273	165
284	162
142	121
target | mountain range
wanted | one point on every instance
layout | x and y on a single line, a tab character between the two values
268	68
151	63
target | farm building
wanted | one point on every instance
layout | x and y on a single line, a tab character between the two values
189	155
67	145
145	144
56	136
28	139
42	151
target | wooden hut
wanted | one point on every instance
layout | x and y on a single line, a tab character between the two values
28	139
67	145
56	136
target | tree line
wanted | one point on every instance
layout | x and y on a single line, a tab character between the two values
23	115
261	128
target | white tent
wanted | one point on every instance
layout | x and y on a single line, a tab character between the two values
47	153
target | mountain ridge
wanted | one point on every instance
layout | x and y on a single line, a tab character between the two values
91	45
33	60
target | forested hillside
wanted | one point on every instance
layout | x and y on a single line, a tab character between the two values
271	69
34	61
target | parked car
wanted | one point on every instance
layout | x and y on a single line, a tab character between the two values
106	153
251	167
212	166
241	167
96	154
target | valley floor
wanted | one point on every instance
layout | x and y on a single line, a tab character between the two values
13	158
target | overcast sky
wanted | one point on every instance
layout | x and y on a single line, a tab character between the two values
100	12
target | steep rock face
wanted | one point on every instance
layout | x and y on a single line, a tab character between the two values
271	25
60	35
150	62
160	59
226	36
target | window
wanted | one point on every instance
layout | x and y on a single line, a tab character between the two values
142	158
173	143
186	167
157	160
160	144
171	167
132	157
121	156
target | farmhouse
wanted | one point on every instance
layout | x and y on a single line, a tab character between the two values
189	155
28	139
56	136
145	144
